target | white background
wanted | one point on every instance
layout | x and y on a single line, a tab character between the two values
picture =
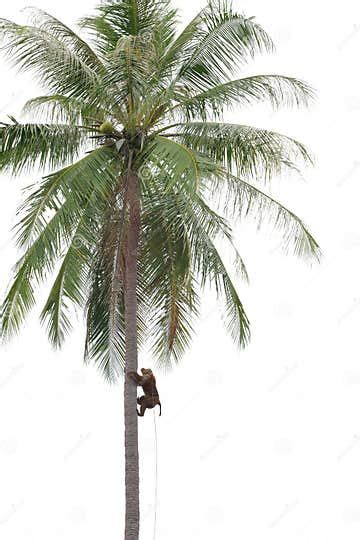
261	444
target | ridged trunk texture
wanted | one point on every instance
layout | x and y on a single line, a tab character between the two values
132	516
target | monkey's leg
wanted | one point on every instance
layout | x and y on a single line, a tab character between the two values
142	409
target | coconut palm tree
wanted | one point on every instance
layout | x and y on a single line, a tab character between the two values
140	178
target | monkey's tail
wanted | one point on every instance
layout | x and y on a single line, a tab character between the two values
160	408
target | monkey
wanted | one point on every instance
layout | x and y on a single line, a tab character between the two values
148	383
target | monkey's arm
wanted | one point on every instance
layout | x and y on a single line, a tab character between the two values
135	377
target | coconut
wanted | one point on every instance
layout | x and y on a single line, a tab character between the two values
106	128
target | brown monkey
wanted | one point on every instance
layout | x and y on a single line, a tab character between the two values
148	383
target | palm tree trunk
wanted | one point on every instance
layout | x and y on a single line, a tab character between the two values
132	516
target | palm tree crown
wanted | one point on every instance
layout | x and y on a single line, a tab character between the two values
138	94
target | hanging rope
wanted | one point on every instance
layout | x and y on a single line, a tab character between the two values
156	475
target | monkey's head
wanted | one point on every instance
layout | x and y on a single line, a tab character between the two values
146	371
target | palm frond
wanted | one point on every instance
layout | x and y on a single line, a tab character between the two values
48	236
45	146
179	161
279	90
210	269
115	20
225	35
58	68
130	66
252	152
51	25
57	108
65	193
181	46
188	219
166	256
33	267
105	339
241	200
209	266
71	284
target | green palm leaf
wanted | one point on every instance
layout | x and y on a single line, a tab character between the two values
225	35
245	201
179	161
57	108
65	193
172	299
105	341
71	284
46	146
59	68
279	90
252	152
50	24
45	238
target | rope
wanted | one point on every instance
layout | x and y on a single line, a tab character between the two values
156	475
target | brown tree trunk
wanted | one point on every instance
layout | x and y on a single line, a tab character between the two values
132	516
